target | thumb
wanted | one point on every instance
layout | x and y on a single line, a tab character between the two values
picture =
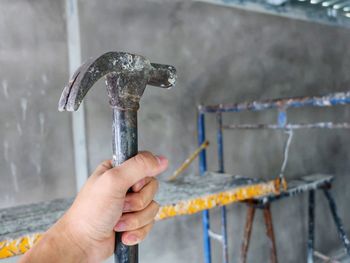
144	164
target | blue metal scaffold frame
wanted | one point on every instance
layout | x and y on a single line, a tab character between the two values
340	98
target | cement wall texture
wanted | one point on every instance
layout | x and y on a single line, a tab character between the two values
222	55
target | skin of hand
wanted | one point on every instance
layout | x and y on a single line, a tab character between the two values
86	232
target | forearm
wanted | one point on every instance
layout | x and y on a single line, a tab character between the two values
56	245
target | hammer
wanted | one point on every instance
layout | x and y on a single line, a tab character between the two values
126	78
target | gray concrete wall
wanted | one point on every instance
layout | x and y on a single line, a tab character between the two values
222	55
36	158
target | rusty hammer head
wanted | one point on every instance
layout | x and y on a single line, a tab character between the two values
127	77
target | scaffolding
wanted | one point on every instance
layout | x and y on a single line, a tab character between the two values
287	188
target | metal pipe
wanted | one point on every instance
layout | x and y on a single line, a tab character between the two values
188	161
221	170
311	225
337	221
339	98
299	126
202	170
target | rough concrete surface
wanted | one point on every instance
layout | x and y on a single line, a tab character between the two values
222	55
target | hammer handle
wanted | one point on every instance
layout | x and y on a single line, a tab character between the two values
124	147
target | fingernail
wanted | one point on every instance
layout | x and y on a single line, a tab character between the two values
127	207
132	239
161	159
121	226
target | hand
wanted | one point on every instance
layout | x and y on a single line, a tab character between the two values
87	230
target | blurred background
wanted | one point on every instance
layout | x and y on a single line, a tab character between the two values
222	55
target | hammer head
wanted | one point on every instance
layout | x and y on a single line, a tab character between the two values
127	76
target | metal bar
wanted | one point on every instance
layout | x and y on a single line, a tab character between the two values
220	143
124	147
311	225
303	186
188	161
337	221
221	170
224	234
282	118
319	125
247	233
298	9
202	169
270	234
339	98
78	118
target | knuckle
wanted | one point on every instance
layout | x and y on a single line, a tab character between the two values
135	222
146	161
156	184
140	204
110	175
112	179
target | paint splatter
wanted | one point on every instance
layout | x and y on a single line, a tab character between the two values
24	104
19	129
6	151
42	122
5	88
14	176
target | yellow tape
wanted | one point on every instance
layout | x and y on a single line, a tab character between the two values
224	198
9	248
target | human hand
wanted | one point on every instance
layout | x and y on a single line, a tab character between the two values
103	206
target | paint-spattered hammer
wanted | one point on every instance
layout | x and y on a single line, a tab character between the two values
126	78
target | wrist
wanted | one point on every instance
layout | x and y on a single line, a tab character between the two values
56	245
61	238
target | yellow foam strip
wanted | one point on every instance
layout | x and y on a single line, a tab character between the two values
9	248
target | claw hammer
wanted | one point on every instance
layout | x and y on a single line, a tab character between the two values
126	78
